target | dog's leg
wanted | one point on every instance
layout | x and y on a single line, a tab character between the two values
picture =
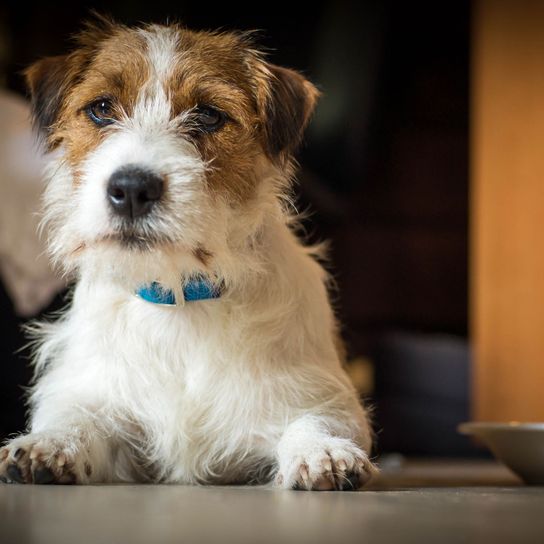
312	458
77	454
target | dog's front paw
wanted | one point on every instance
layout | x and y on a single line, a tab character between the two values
43	458
328	464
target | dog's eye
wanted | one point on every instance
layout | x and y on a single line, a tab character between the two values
100	112
209	119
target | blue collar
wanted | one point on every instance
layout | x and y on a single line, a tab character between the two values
198	288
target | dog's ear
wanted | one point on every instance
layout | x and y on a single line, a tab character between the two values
48	81
289	103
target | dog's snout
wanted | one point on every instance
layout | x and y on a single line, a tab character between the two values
133	191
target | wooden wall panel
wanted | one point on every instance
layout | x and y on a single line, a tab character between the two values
507	210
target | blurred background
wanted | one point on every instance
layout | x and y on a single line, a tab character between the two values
384	173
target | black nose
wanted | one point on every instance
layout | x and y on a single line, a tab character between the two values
132	191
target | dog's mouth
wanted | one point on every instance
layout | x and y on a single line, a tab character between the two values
134	239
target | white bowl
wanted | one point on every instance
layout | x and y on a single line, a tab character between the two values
520	446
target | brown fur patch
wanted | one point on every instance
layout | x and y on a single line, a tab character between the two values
202	255
117	71
213	70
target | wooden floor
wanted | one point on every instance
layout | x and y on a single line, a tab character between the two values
433	512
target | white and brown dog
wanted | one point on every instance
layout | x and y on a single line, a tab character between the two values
200	346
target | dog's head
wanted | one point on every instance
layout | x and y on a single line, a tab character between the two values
166	143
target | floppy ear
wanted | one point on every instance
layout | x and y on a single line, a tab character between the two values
48	81
290	102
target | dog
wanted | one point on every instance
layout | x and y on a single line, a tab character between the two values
200	346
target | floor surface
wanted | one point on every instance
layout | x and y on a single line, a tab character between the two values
504	513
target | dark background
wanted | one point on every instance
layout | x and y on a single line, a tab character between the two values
384	172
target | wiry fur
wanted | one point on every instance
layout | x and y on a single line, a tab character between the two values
237	389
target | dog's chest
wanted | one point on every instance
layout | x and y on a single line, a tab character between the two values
198	402
204	427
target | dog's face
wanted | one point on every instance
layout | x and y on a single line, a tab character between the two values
167	142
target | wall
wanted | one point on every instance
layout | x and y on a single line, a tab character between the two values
507	272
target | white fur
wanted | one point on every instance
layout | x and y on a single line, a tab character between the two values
235	389
161	51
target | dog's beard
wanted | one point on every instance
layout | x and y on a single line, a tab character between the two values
129	260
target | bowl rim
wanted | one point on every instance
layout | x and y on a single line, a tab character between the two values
471	426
